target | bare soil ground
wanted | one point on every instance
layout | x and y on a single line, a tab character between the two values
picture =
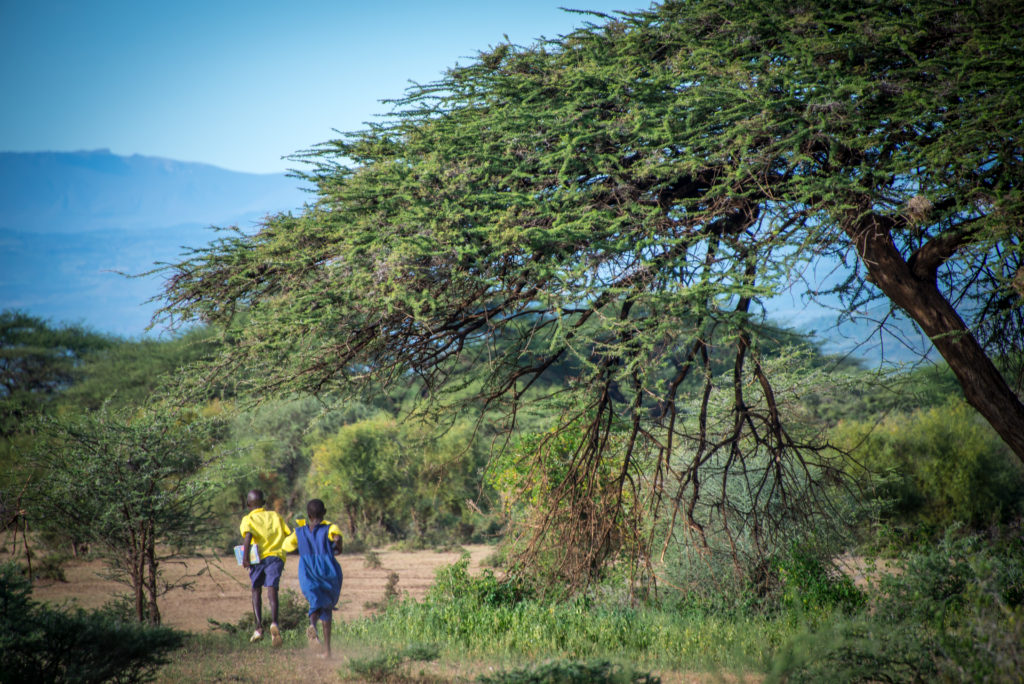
221	587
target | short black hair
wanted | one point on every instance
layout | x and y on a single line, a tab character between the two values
255	497
316	509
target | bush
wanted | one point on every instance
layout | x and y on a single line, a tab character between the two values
40	644
453	583
389	664
811	583
951	612
938	467
391	594
371	559
51	567
567	672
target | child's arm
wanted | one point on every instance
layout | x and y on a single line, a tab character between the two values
334	534
245	552
290	543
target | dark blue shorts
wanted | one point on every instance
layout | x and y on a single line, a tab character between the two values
267	573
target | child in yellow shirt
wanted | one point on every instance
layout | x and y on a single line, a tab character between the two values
268	531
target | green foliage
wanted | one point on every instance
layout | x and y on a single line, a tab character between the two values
50	566
133	485
37	361
952	612
364	468
131	372
390	664
939	466
454	584
811	583
271	443
486	616
42	644
565	672
394	480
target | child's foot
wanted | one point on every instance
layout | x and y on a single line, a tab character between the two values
256	636
275	636
312	637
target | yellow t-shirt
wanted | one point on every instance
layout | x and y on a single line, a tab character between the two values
269	530
291	543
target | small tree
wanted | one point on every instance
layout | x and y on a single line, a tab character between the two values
131	485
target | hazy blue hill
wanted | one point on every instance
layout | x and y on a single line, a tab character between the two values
62	192
69	220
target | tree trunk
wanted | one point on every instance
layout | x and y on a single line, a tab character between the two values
135	562
151	578
984	386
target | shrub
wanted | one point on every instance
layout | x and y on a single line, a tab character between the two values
389	664
952	612
371	559
51	567
810	582
40	644
453	583
939	466
391	594
568	672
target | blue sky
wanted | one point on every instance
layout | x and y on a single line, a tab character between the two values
230	83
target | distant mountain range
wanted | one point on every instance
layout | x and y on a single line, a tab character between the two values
70	220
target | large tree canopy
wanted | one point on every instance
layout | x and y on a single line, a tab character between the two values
620	202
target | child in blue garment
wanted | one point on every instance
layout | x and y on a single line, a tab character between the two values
317	540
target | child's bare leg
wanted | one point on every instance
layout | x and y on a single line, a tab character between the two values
272	600
257	607
326	619
311	636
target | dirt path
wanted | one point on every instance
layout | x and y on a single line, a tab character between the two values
221	591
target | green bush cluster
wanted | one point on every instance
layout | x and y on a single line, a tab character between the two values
570	672
811	583
937	467
41	644
952	611
401	480
477	616
454	584
391	663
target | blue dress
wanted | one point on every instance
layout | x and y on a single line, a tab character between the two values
319	573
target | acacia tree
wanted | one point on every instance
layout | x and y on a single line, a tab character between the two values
37	361
134	485
619	202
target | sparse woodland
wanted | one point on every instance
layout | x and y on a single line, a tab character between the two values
527	308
